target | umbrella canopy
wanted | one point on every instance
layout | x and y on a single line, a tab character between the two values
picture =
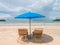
29	15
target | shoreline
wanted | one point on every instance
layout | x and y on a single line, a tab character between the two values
27	24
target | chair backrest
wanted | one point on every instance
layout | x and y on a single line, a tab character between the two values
38	31
22	32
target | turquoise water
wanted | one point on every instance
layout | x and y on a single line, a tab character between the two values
27	20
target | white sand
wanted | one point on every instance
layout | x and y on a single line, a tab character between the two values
9	34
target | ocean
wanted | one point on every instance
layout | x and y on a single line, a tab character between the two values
26	22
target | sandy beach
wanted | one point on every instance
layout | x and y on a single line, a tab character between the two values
9	34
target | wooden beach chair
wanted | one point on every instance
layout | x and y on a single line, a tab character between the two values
37	35
23	34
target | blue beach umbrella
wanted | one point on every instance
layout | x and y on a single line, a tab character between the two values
29	15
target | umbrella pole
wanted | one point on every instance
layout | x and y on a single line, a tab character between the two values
30	26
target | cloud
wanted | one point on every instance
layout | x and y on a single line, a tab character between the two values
33	5
56	7
15	7
6	8
3	16
40	4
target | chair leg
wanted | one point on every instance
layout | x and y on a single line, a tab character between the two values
25	39
19	38
38	39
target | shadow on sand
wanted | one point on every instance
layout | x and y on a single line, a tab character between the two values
46	39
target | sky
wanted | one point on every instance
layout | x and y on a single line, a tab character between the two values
11	8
